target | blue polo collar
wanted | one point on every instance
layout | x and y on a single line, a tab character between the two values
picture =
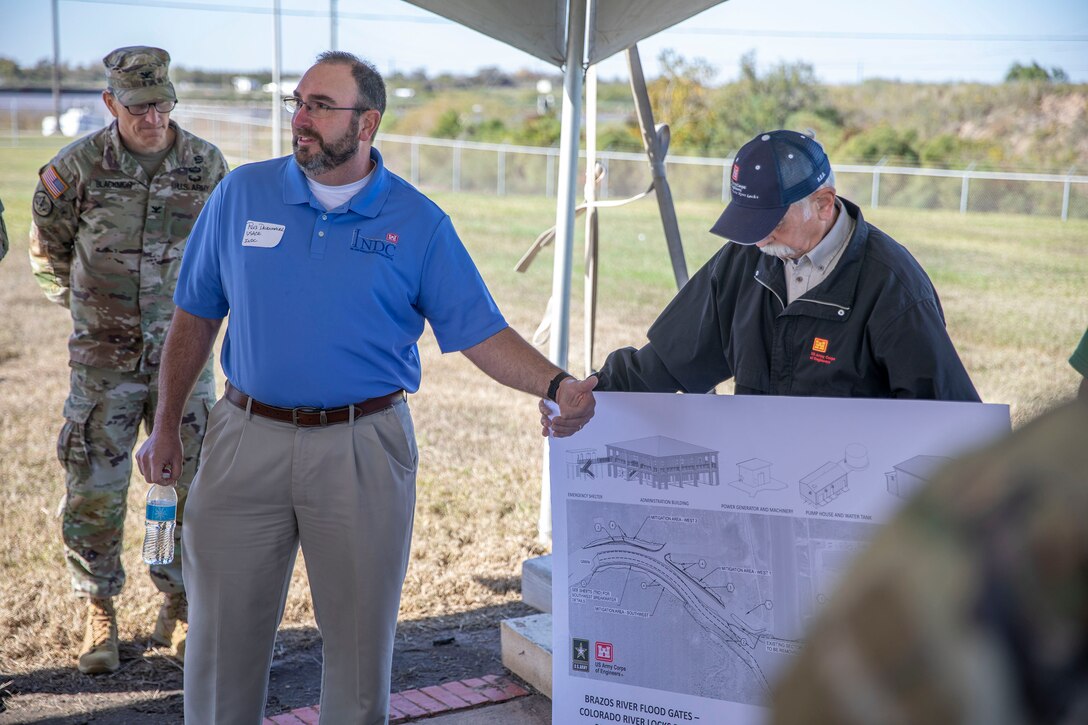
368	202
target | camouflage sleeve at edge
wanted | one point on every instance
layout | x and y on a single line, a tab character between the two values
3	233
53	225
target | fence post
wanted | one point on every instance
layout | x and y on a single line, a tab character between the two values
13	104
549	181
603	194
456	168
500	174
415	162
875	196
725	181
966	187
1065	194
245	141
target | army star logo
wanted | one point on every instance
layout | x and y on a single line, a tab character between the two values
580	654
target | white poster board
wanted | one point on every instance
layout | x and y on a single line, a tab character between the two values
695	536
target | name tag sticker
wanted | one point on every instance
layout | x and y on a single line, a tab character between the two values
262	234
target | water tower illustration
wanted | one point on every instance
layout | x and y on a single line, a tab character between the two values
830	480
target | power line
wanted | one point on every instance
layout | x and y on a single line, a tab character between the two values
257	10
840	35
740	32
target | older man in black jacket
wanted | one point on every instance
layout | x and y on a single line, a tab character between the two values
809	299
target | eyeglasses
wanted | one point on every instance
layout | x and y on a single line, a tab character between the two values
317	109
141	109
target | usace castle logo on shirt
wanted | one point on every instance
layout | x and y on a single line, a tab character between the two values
367	245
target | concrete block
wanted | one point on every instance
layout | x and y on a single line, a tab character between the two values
527	649
536	582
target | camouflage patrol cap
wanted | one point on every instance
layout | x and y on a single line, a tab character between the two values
138	74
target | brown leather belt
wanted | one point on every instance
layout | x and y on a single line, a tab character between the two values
309	417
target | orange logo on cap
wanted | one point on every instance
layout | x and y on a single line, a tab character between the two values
819	344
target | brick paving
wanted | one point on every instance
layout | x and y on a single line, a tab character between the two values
425	702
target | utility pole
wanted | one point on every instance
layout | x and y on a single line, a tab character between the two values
56	62
277	109
332	24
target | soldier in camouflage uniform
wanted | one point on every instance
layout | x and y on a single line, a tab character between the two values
972	605
111	215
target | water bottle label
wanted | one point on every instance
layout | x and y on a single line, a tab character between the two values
161	512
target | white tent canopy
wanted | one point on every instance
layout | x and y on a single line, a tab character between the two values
539	27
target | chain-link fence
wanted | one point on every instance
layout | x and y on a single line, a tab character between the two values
244	133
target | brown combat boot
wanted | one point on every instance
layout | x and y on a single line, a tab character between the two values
172	625
99	655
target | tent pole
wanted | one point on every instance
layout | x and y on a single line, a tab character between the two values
656	141
564	219
592	231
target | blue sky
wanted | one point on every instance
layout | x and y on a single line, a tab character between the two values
844	40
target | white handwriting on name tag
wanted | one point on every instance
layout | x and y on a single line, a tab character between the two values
262	234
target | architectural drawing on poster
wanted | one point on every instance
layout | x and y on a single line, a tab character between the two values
754	476
674	590
656	461
907	477
830	480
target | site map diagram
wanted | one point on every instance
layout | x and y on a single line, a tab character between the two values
724	595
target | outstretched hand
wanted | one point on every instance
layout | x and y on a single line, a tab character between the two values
576	406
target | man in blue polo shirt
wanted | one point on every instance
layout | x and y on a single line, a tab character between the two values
328	265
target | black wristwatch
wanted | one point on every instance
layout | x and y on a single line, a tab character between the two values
553	386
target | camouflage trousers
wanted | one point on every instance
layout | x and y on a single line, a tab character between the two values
102	417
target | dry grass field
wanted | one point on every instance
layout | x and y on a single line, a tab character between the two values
1015	292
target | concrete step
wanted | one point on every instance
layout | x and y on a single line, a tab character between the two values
536	582
527	649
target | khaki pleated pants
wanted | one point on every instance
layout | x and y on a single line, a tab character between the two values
346	494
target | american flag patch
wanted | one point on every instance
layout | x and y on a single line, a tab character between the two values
392	238
52	182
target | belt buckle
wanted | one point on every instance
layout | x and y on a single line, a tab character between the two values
307	409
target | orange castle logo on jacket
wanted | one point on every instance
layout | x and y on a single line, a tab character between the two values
819	351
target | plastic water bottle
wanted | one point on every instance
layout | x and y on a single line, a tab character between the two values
162	512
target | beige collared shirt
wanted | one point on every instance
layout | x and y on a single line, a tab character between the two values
813	268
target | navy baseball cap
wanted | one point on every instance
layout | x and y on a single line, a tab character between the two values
770	172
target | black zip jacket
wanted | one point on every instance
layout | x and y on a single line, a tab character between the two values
873	329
